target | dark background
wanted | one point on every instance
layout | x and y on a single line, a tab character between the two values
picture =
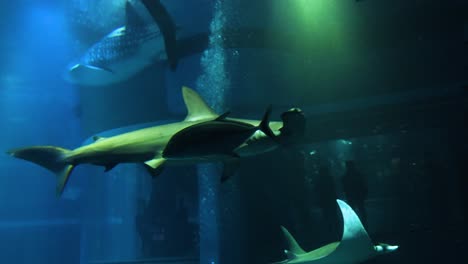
396	70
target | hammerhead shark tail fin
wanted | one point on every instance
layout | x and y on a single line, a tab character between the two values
265	123
49	157
197	109
294	248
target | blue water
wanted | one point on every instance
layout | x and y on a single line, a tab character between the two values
382	83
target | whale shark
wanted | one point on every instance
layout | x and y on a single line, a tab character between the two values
355	245
144	146
121	54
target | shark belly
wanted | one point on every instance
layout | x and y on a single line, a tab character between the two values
113	155
136	146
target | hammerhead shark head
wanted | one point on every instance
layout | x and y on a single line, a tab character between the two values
355	245
143	146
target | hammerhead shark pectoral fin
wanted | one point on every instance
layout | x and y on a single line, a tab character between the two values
155	166
230	168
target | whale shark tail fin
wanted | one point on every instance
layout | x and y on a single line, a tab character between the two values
293	247
49	157
197	109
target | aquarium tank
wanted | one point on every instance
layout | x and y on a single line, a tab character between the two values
233	131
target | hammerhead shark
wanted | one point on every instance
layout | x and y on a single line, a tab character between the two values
355	245
143	146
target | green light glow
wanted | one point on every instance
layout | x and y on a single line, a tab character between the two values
318	16
322	38
316	23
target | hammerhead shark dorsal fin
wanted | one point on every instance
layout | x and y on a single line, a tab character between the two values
294	248
133	19
197	109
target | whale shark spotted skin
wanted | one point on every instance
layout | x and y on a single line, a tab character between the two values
355	245
144	146
121	54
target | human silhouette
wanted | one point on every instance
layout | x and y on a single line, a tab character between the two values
326	191
355	190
